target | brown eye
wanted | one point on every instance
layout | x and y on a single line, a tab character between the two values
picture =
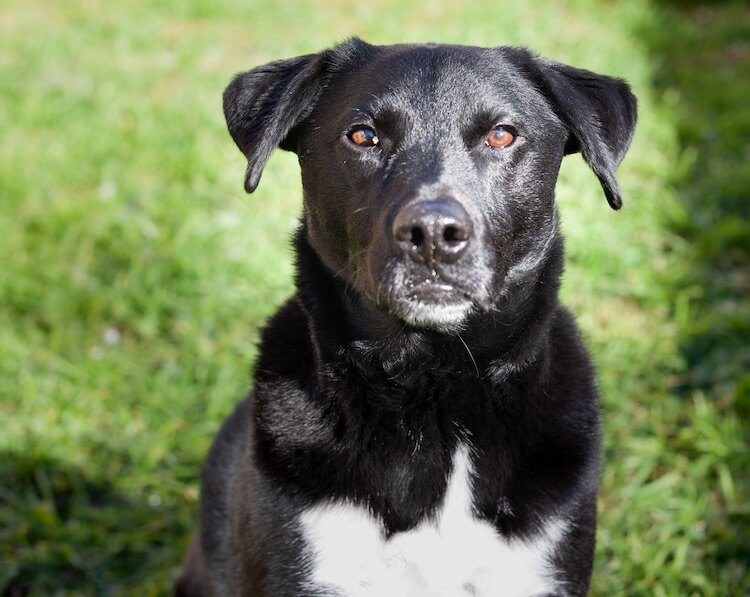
500	137
364	137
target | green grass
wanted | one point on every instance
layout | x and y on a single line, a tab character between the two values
134	273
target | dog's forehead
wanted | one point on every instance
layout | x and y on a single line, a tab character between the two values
445	77
432	63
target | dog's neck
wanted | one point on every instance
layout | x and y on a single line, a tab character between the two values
493	346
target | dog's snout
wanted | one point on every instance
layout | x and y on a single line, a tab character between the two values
435	230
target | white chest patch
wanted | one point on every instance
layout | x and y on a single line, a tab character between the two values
456	554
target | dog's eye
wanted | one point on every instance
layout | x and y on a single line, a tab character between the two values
500	137
364	137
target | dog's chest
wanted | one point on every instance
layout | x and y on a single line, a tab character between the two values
454	554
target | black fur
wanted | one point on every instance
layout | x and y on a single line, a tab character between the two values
363	393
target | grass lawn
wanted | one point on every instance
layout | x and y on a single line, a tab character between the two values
134	272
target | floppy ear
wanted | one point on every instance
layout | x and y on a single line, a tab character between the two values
600	114
263	105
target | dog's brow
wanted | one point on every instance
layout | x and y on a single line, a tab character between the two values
358	110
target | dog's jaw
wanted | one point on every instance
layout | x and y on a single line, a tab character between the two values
432	314
438	300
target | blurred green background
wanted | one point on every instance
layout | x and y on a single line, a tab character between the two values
134	272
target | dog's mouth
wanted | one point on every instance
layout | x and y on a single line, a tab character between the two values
432	303
435	291
440	297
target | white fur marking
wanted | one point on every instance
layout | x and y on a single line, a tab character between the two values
456	554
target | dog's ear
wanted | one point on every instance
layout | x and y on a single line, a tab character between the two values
600	114
263	107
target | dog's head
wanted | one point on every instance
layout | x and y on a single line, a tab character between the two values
429	170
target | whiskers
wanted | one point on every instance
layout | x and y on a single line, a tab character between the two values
377	294
471	356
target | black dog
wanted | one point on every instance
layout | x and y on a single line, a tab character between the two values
425	416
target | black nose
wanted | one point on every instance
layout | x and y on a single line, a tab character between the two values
437	230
